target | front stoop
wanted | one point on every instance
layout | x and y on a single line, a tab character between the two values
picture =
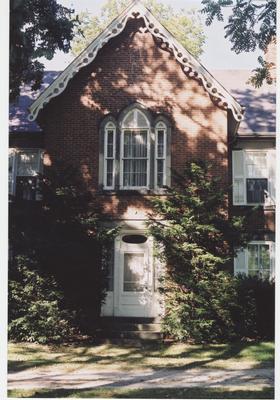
128	330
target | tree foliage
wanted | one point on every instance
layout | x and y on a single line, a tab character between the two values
37	311
196	236
251	25
184	25
58	269
37	29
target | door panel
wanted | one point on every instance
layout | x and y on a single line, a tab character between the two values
133	279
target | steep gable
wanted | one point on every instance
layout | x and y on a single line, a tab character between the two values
190	66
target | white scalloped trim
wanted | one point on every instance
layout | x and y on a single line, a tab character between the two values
190	65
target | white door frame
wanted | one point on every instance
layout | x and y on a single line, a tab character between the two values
142	303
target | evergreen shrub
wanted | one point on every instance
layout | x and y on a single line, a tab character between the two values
36	309
253	314
196	240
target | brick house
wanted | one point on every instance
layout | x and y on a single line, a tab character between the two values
132	107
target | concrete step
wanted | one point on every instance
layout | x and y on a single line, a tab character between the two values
124	326
124	342
130	320
128	328
138	335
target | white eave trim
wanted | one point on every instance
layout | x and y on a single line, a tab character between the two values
190	65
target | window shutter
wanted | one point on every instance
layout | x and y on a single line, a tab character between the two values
272	260
240	266
272	176
238	177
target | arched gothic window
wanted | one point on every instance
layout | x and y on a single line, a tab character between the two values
136	154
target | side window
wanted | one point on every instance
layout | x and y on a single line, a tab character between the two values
160	155
109	155
253	177
258	259
24	167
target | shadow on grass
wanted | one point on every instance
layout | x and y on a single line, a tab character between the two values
190	393
146	356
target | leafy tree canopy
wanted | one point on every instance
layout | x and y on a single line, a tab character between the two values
184	25
37	29
251	25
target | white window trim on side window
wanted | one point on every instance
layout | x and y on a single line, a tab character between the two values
241	267
109	127
270	160
161	127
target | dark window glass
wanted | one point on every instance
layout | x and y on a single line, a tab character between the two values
26	187
255	190
134	239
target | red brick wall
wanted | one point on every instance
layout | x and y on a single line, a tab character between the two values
132	67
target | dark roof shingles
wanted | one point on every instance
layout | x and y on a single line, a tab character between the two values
18	111
260	103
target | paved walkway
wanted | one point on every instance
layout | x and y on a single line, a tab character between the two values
161	378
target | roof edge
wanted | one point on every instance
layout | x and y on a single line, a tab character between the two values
192	67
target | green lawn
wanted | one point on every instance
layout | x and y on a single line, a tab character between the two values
24	356
192	393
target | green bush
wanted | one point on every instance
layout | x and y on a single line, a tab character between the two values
254	310
59	272
36	311
196	238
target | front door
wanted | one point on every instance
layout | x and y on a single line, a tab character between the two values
134	277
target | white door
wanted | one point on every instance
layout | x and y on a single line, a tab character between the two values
134	277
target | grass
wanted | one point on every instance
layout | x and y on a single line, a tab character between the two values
26	356
71	358
190	393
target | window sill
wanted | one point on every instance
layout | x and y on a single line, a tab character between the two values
263	206
132	192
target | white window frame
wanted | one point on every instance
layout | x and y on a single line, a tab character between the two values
110	126
148	158
15	154
271	245
161	126
268	198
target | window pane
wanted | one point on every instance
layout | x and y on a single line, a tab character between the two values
255	190
160	144
264	260
135	144
28	163
110	143
253	259
133	272
135	172
109	177
259	260
142	121
160	172
26	187
256	165
128	122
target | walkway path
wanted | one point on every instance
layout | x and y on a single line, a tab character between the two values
160	378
